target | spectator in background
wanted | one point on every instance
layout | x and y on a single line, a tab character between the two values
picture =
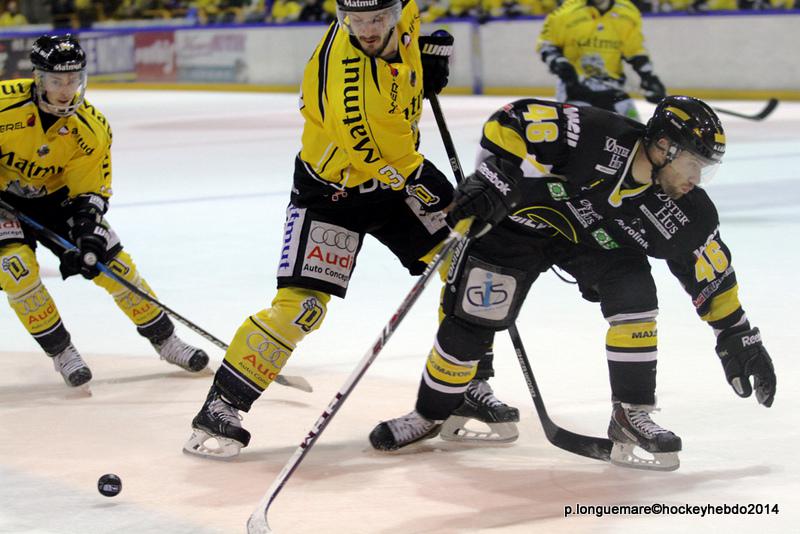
63	14
11	16
284	11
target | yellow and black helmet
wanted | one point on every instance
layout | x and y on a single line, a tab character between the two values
689	124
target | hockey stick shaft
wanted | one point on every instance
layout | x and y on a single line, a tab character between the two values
772	103
297	382
589	446
598	448
258	524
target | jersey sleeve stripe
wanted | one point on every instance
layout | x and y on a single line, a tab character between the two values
324	55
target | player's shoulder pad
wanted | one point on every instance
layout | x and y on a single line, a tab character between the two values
94	120
13	91
703	204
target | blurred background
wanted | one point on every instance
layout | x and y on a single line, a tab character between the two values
719	49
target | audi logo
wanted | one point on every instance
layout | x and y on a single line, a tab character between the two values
267	349
341	239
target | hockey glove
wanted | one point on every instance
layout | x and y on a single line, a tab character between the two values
742	354
430	187
562	68
90	236
654	91
436	50
488	194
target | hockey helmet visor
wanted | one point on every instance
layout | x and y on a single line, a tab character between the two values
368	17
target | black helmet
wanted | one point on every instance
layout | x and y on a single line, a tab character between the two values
365	5
58	53
58	60
690	124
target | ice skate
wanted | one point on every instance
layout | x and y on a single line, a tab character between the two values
72	367
481	405
180	353
221	422
402	431
631	427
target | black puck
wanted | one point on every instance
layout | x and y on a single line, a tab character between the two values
109	485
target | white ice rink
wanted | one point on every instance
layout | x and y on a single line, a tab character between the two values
201	181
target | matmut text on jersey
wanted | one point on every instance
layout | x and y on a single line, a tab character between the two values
362	113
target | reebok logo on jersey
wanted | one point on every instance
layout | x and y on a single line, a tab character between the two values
493	178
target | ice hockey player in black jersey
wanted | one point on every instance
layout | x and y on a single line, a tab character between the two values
595	194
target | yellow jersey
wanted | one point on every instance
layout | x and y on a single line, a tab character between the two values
595	43
74	152
362	113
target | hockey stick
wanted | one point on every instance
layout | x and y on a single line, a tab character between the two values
589	446
593	447
257	524
772	103
291	381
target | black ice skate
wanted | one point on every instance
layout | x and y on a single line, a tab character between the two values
220	421
180	353
631	427
402	431
480	404
72	367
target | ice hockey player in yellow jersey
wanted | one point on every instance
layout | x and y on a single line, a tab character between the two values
55	167
359	172
584	43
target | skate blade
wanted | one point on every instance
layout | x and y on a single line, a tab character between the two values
625	455
225	450
455	429
79	392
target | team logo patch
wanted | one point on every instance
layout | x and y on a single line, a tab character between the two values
43	150
488	295
604	240
14	266
310	316
330	253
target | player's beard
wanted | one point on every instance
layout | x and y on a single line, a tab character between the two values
379	49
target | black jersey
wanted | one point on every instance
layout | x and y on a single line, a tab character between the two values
576	162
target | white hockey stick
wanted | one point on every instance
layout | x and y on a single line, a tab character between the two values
257	524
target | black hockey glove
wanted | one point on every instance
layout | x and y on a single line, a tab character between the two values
488	194
430	187
436	50
90	236
654	91
562	68
742	355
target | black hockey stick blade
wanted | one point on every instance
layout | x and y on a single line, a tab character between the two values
760	116
589	446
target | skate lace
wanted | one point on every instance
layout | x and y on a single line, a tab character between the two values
409	427
175	351
482	393
640	419
68	360
225	412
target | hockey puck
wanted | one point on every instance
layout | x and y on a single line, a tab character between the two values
109	485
